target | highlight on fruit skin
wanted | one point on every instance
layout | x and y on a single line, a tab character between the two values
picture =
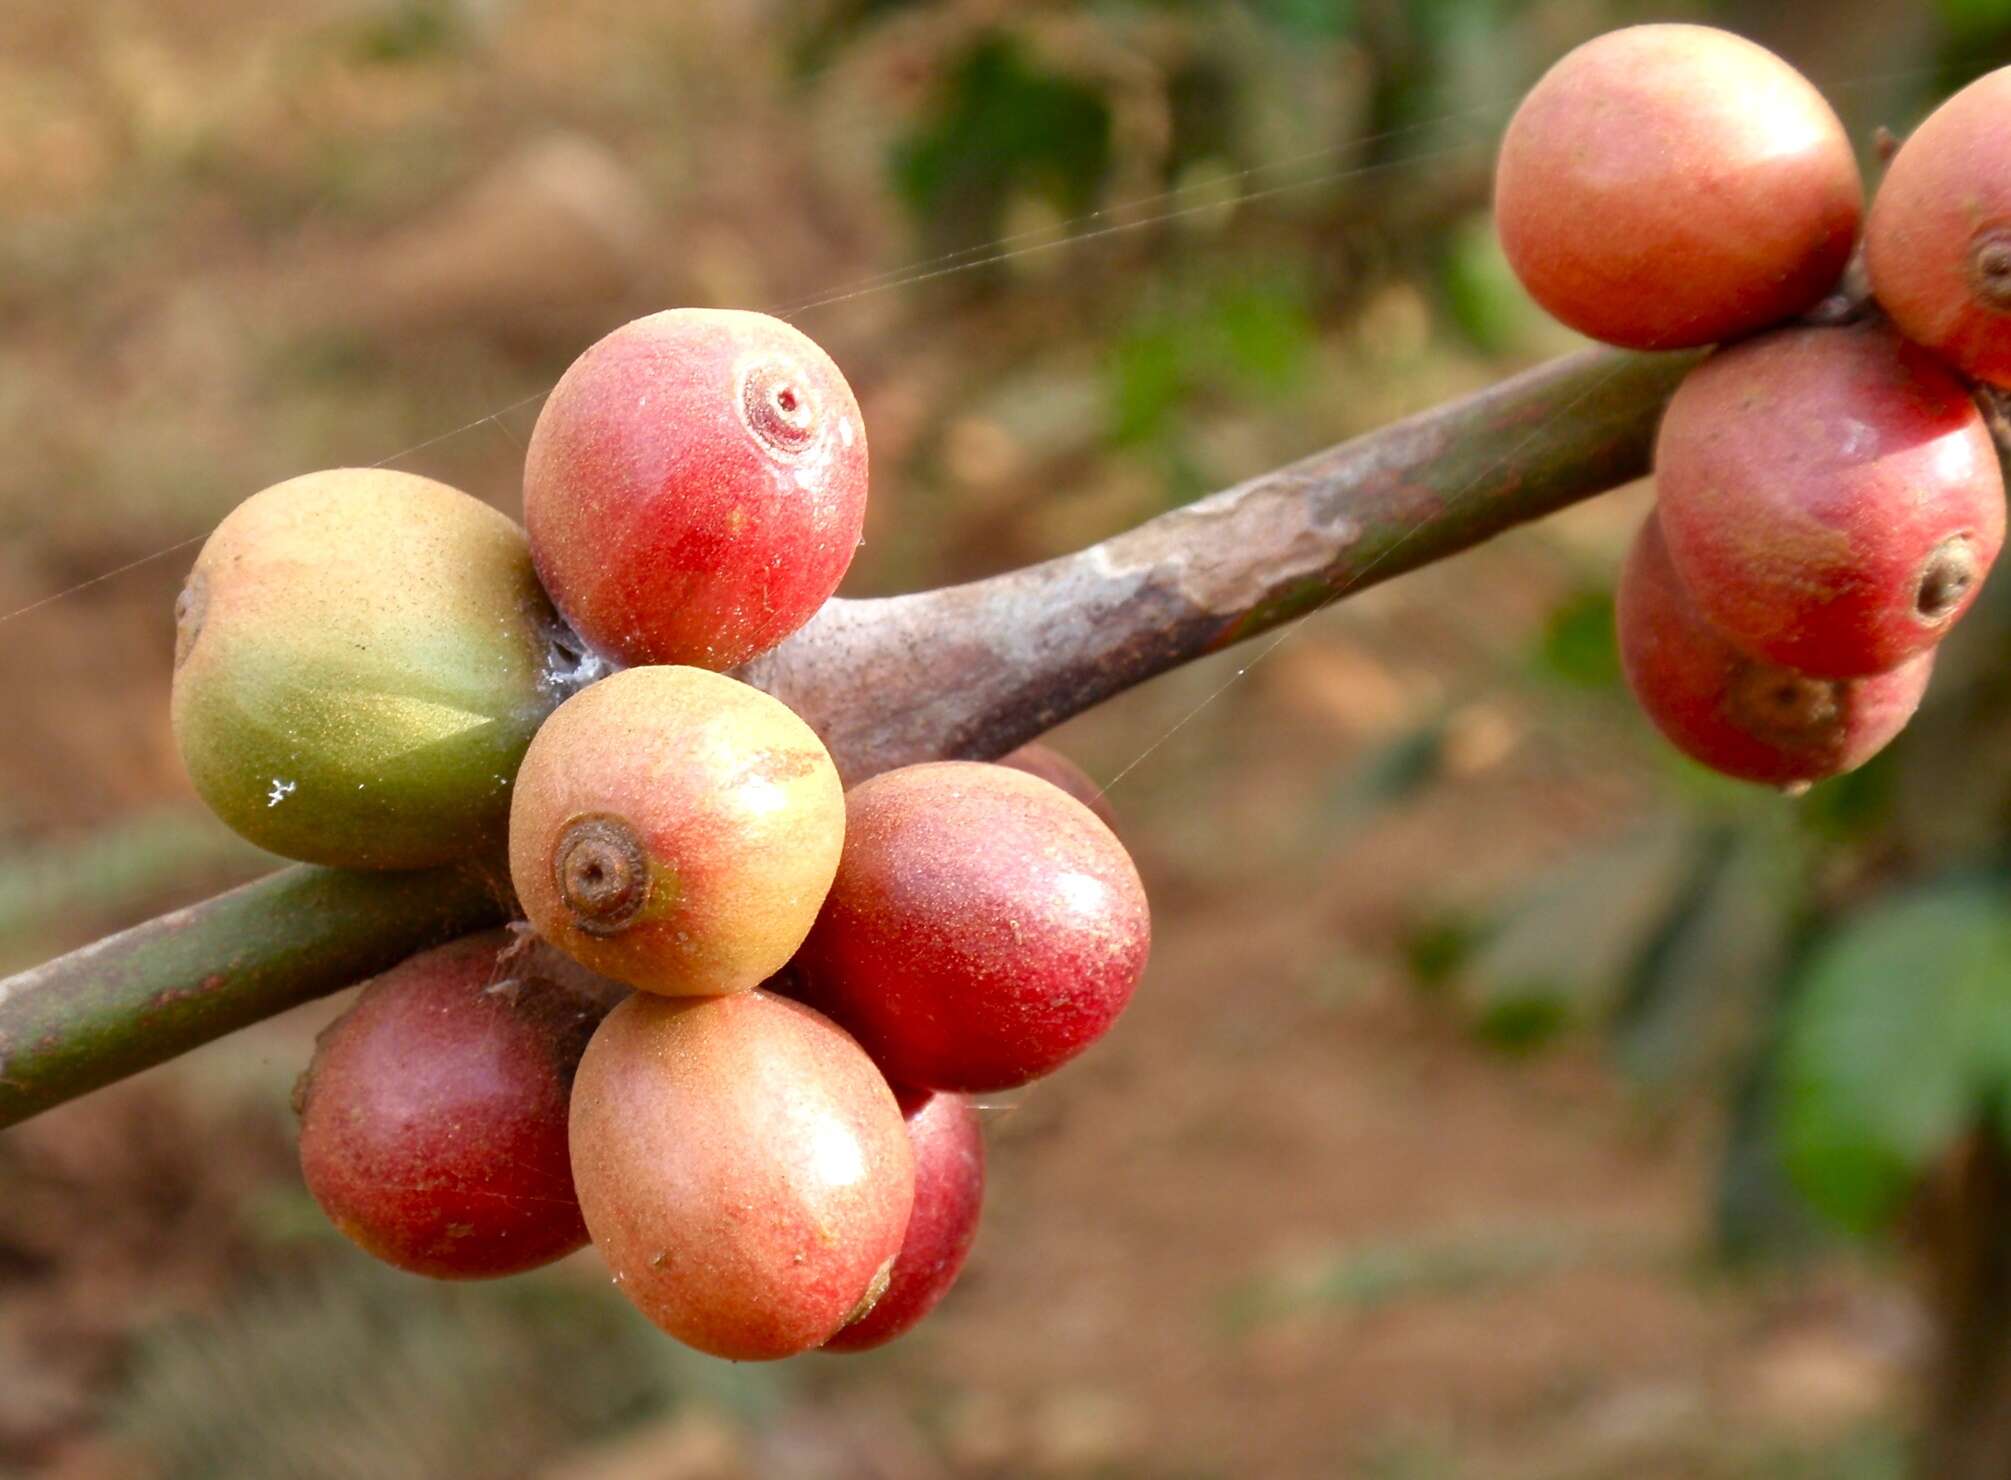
1832	498
433	1115
1666	185
1743	717
744	1169
1938	241
949	1193
361	657
984	927
676	830
695	487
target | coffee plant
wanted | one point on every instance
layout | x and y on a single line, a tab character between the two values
693	908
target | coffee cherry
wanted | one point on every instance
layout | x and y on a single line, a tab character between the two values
949	1190
1750	719
1938	243
744	1170
361	657
1052	766
984	927
695	487
676	830
433	1116
1672	185
1831	497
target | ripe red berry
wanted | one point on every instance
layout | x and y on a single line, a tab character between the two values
695	487
1831	497
984	927
676	830
1051	765
949	1191
1938	243
1753	720
1672	185
744	1170
433	1116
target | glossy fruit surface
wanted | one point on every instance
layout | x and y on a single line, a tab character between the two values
1831	497
1938	243
743	1167
949	1193
1739	715
1673	185
676	830
984	927
1052	766
361	657
433	1115
695	487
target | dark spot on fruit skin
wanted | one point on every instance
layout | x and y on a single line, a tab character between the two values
778	409
1990	263
1784	706
602	873
1945	580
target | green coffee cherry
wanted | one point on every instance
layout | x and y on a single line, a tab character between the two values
361	657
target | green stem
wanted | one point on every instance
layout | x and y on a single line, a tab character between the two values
147	994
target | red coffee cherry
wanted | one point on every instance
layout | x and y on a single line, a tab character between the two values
695	487
1672	185
949	1190
1938	243
1831	497
744	1169
984	927
433	1116
1749	719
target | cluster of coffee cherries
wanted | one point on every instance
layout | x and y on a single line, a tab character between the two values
1829	494
734	1041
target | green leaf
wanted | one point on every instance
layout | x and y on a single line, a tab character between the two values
1900	1034
1566	951
1697	997
1578	645
1265	335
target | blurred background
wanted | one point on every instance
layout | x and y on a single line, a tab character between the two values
1506	1098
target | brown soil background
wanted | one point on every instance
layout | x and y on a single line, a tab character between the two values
1290	1220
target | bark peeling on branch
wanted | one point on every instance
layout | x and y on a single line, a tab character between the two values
972	671
968	671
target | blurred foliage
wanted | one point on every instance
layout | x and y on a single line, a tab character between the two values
1897	1043
1363	1278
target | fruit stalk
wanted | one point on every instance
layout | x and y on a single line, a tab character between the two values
965	672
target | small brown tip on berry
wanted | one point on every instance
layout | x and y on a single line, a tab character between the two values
1990	269
1945	579
602	873
1782	705
778	406
189	608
